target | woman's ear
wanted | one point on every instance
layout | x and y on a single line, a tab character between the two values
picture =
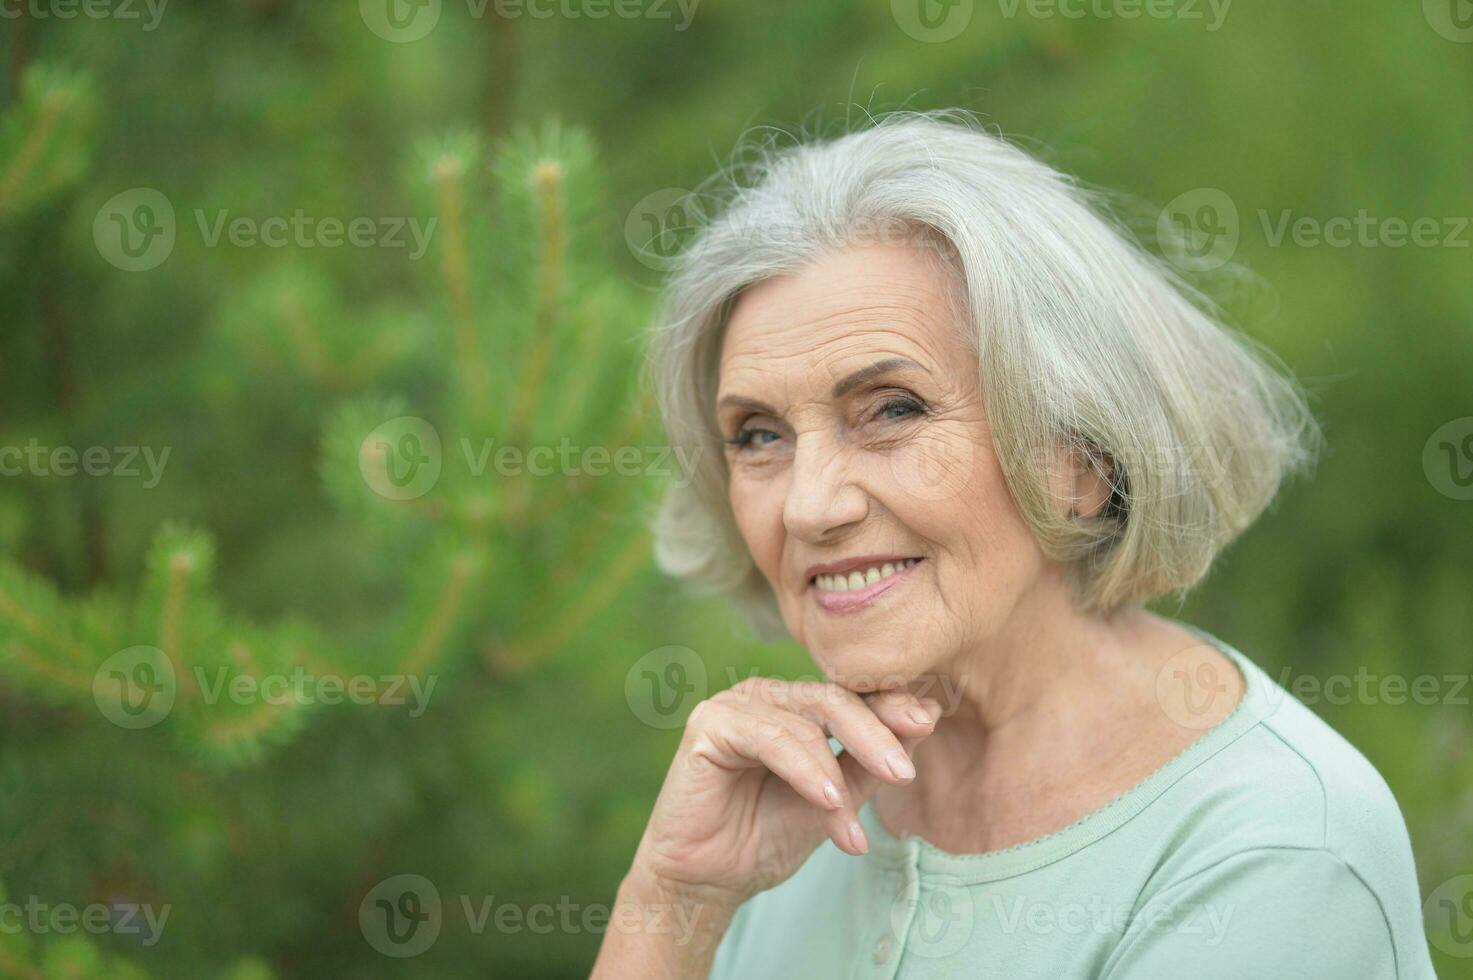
1083	480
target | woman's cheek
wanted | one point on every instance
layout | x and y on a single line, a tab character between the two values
757	510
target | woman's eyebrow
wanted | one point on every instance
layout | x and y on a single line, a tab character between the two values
841	387
851	381
750	404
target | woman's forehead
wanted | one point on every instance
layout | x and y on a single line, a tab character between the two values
846	310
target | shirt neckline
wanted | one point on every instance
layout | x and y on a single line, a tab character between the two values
1252	707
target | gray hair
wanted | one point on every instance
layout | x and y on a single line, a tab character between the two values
1084	339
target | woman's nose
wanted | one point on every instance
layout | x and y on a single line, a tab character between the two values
823	497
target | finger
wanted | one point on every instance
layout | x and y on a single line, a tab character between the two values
860	781
736	733
905	713
850	719
733	738
841	823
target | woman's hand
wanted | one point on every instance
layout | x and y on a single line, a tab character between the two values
754	788
755	785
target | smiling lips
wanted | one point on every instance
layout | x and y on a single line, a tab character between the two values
851	585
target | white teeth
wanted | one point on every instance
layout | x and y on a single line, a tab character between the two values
861	577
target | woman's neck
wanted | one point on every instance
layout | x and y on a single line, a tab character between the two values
1047	721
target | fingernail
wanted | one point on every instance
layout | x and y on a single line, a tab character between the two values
919	715
857	838
831	793
900	764
933	708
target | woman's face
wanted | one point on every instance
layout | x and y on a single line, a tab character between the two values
863	476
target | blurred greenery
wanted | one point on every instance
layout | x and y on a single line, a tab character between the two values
537	144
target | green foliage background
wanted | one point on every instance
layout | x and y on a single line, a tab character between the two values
535	142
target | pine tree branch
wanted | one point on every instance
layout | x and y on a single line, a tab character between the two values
630	427
573	404
78	683
320	665
35	835
31	150
181	566
447	610
239	730
607	587
547	178
304	339
12	610
11	967
448	174
20	51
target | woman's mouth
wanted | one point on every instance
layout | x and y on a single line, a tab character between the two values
854	586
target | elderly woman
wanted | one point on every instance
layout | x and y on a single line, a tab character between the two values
954	429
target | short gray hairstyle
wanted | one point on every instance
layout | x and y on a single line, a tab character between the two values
1084	339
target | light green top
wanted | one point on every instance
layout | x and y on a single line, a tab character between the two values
1269	848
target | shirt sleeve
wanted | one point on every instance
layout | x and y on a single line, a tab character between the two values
1266	913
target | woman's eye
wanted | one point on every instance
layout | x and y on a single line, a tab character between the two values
899	408
752	437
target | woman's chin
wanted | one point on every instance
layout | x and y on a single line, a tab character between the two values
865	667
